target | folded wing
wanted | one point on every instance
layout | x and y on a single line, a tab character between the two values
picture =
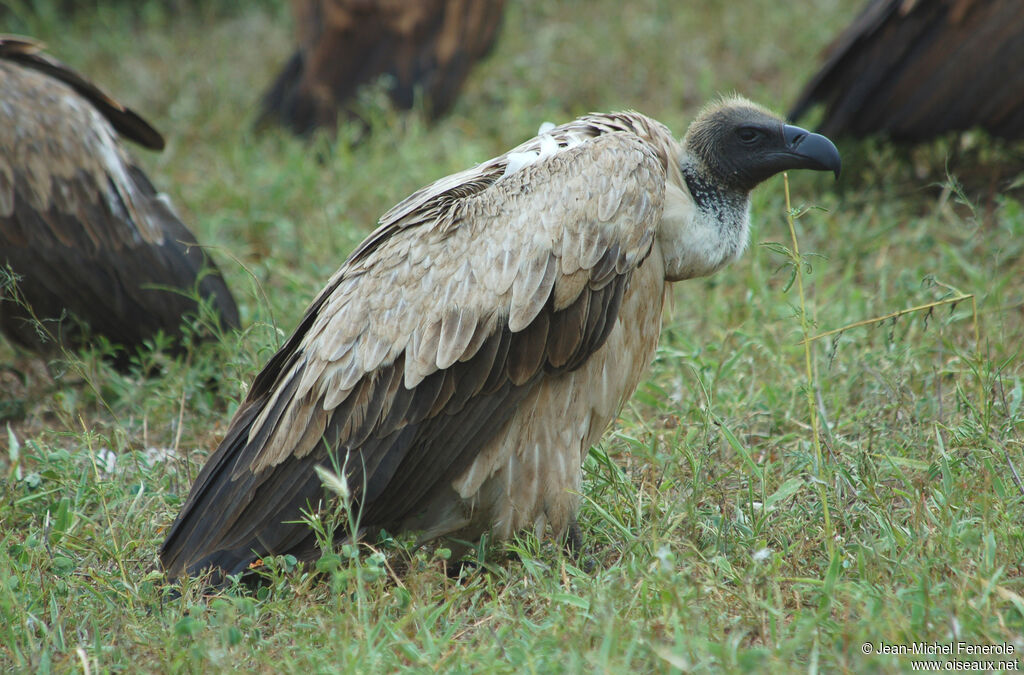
80	224
420	348
914	70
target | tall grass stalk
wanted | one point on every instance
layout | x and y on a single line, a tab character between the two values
812	409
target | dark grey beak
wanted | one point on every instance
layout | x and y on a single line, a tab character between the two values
813	150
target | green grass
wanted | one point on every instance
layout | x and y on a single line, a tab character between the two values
704	505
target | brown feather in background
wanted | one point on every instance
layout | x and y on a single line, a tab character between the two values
424	47
914	69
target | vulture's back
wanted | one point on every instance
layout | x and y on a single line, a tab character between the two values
85	234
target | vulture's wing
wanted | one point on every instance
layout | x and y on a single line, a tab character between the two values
80	223
424	342
127	122
426	47
914	70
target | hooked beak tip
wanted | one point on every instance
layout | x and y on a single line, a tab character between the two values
816	151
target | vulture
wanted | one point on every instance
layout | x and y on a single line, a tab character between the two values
914	69
90	247
424	47
458	366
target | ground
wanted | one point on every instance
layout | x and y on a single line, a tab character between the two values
756	505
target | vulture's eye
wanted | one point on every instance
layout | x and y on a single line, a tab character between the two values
748	135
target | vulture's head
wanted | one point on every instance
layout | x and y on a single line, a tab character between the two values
730	147
740	144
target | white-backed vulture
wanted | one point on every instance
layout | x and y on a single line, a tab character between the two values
87	236
471	349
912	70
425	47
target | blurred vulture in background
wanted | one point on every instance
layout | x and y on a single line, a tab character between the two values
424	48
914	69
87	245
